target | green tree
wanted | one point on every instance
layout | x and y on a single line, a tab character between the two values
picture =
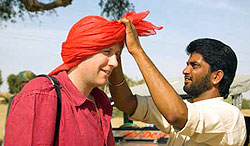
129	81
115	9
1	79
10	10
245	104
13	82
132	82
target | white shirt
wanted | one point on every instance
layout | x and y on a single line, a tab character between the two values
210	122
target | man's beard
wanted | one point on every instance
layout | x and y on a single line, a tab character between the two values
201	86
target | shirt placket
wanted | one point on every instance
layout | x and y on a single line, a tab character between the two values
98	117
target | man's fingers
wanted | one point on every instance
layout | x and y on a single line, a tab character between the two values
129	26
125	21
131	39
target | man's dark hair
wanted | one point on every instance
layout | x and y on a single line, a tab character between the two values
220	57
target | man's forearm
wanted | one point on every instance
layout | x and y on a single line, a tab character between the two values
121	94
165	97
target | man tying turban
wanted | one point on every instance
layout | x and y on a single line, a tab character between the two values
89	55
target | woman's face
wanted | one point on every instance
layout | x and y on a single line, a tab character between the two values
96	69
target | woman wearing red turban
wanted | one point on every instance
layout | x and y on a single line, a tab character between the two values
89	55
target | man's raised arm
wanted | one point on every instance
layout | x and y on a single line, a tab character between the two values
168	102
120	92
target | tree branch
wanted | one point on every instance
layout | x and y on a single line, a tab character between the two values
34	5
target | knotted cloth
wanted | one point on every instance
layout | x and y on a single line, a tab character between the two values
91	34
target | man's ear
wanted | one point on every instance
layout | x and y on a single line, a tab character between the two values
217	76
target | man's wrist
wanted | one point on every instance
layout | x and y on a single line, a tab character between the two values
119	84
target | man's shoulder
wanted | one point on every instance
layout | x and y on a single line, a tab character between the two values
216	105
41	85
223	104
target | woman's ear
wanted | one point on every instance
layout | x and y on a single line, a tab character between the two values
217	76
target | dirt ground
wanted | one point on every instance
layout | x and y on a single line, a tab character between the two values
246	112
117	122
3	109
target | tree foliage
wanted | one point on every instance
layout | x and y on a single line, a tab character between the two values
10	10
115	9
129	81
245	104
132	82
14	83
1	79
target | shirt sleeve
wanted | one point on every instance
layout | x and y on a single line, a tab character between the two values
31	120
147	112
193	120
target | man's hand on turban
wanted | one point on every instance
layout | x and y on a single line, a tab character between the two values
132	41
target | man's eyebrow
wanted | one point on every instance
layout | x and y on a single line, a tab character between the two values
192	62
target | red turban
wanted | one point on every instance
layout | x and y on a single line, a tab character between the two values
94	33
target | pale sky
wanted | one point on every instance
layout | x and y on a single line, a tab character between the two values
36	44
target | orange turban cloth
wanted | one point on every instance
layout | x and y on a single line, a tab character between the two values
91	34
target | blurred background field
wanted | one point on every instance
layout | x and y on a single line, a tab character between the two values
3	109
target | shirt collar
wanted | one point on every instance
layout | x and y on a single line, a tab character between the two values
77	97
211	100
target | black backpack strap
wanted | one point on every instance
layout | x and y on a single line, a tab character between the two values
57	87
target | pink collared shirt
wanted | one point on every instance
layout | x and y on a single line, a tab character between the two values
32	116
